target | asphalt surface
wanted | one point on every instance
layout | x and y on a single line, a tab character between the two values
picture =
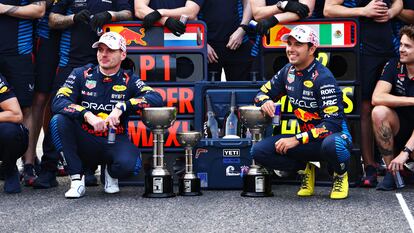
366	210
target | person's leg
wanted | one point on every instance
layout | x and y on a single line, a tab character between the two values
122	159
387	124
238	63
14	140
371	68
336	150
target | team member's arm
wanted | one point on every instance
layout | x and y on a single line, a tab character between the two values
382	92
272	91
398	163
59	20
291	10
34	10
65	101
142	9
120	11
236	38
407	14
395	9
190	9
334	9
331	111
10	108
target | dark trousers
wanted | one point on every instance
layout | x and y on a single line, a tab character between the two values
79	147
334	149
14	139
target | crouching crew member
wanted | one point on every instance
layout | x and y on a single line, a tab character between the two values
92	100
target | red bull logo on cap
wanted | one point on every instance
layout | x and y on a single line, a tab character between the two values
133	36
306	116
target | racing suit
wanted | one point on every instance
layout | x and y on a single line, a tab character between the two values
317	104
87	89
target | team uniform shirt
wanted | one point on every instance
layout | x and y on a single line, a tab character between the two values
221	18
171	4
5	90
76	41
371	43
17	33
315	97
87	89
396	74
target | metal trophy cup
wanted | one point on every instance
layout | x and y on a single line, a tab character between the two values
159	183
257	182
189	184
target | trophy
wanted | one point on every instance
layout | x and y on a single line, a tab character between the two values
257	182
159	182
189	184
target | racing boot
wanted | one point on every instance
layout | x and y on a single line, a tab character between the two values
308	181
111	184
77	187
340	186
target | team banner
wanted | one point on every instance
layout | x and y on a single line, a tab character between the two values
334	34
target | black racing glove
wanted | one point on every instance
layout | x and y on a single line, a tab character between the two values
296	7
150	19
176	27
99	19
263	26
82	16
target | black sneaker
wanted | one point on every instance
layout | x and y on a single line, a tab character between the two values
388	183
370	178
45	180
90	178
29	175
12	181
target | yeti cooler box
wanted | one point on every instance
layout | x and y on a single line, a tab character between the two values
221	163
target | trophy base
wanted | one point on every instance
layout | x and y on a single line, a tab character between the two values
257	186
189	187
159	187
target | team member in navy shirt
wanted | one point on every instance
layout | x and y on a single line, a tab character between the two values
376	49
317	104
92	99
13	136
80	21
167	13
16	44
228	47
393	114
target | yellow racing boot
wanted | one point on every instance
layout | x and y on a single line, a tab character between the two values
308	181
340	186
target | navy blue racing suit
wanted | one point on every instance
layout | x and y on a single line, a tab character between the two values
317	104
87	89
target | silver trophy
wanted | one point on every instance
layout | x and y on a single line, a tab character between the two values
189	184
159	183
257	182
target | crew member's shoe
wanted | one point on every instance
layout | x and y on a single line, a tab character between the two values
111	184
12	181
90	178
340	186
388	183
308	181
61	170
77	187
370	178
45	180
29	174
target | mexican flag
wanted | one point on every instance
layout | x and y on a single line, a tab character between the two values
335	34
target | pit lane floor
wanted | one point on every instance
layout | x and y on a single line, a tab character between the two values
366	210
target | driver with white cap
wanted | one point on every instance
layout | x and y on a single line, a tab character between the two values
92	100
